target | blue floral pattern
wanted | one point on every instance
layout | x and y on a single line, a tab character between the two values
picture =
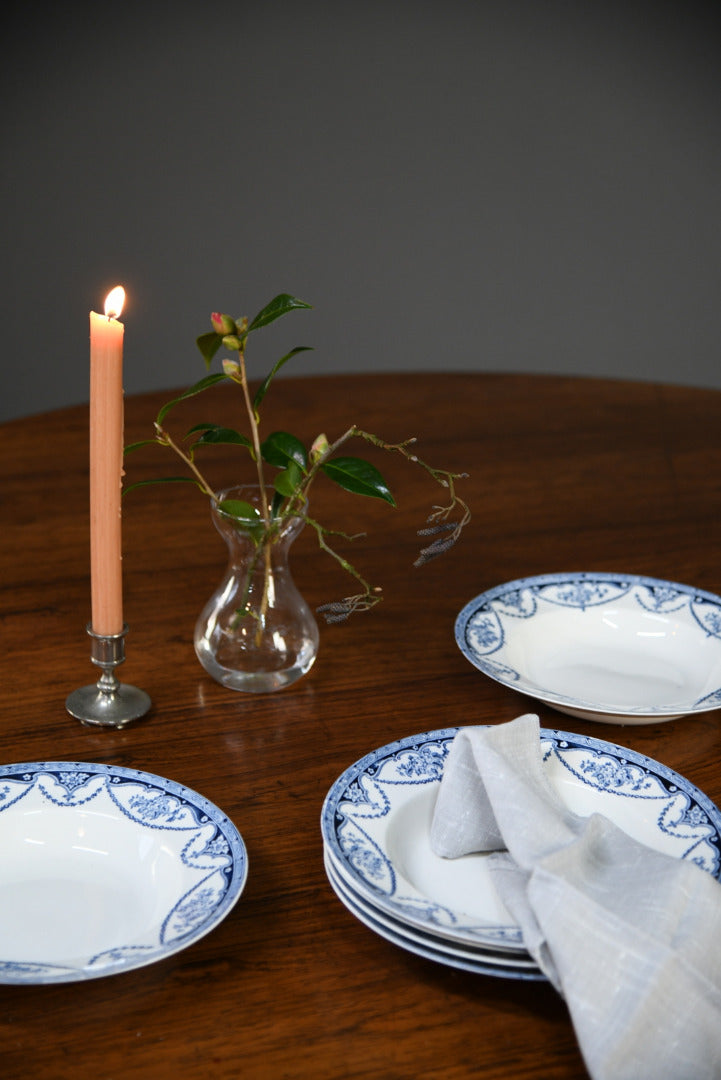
359	808
484	625
210	860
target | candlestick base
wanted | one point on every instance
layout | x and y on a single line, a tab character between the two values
109	703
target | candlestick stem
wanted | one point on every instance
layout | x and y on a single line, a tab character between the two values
108	703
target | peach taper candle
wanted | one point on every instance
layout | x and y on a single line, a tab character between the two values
106	465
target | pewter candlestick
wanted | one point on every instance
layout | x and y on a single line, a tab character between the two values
108	703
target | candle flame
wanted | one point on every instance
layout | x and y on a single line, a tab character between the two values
114	302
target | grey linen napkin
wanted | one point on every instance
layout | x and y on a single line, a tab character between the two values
630	937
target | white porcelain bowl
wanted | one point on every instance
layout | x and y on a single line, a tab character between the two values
106	868
616	648
376	821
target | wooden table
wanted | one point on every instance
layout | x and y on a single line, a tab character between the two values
565	473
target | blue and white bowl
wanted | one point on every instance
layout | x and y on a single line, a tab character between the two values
105	869
376	825
616	648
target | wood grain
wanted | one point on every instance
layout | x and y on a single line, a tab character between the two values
565	474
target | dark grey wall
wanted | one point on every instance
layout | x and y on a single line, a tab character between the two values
523	185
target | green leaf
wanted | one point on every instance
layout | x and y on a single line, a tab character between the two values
162	480
202	426
246	516
137	445
263	389
209	344
279	305
287	481
237	508
215	435
278	500
204	384
358	476
280	449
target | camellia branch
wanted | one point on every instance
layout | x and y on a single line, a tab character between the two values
297	468
339	610
242	377
164	439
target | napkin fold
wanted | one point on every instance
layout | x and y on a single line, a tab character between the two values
630	937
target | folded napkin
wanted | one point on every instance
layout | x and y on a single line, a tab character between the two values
630	937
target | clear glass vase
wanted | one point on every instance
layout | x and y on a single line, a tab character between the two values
256	633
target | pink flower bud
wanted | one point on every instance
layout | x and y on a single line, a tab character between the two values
231	367
319	448
223	324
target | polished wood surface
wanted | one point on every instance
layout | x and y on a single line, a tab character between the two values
565	474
